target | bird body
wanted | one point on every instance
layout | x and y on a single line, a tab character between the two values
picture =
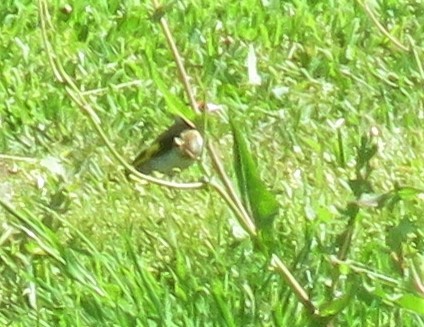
177	148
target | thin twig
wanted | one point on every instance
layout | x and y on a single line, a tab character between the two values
178	60
416	56
103	90
297	289
360	269
245	222
381	27
219	168
18	158
45	17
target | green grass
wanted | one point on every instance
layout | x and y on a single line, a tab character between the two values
82	246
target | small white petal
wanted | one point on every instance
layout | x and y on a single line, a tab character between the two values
252	70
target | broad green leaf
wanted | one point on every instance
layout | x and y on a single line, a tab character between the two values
398	234
412	302
406	301
336	306
409	193
255	195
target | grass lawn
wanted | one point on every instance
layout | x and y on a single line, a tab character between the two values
318	223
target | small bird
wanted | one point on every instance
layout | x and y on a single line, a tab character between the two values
175	149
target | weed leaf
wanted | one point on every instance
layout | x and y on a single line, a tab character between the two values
255	195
